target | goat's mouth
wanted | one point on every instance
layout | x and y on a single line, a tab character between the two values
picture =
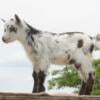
5	40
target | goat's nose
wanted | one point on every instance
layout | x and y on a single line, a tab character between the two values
3	39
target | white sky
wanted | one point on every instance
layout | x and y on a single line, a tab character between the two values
50	15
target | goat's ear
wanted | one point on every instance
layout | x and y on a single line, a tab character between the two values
18	21
2	20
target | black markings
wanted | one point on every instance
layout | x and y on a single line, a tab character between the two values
35	77
82	89
80	43
91	48
89	84
12	29
41	76
4	30
12	19
53	33
17	19
39	79
86	88
32	38
72	61
57	41
71	33
32	30
66	52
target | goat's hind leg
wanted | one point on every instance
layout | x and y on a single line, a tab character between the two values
83	88
87	74
89	84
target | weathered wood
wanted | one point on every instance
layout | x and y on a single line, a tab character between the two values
43	96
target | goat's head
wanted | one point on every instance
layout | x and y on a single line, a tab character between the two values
13	29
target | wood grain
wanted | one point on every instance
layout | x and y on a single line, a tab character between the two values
43	96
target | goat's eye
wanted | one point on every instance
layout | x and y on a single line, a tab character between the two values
13	29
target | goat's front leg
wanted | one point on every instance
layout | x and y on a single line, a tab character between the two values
36	82
39	76
86	72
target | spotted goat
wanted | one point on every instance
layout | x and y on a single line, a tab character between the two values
44	48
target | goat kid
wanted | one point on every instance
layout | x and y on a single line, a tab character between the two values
45	48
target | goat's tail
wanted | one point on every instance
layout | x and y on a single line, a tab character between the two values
97	45
97	42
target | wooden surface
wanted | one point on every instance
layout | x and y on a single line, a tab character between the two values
44	96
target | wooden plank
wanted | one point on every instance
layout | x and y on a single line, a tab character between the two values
43	96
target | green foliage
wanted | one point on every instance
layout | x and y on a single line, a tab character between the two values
98	37
96	89
69	77
65	77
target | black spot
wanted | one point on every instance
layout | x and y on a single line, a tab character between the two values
53	33
12	19
32	38
4	30
72	61
91	48
90	75
57	41
66	51
80	43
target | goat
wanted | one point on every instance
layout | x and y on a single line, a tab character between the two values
44	48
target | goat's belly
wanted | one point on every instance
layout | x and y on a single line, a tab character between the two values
60	61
